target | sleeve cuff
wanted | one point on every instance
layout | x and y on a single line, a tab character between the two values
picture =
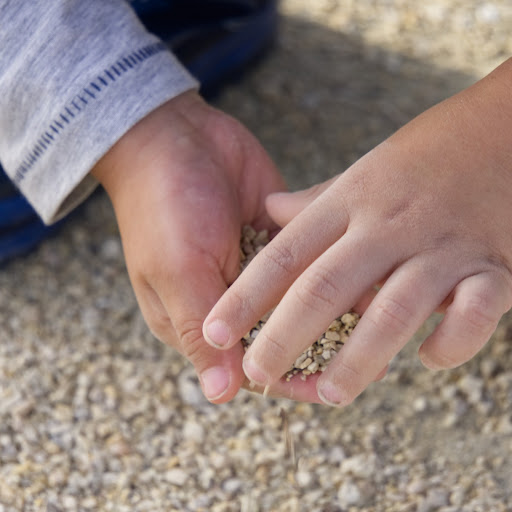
54	174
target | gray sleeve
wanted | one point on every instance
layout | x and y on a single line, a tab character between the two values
74	77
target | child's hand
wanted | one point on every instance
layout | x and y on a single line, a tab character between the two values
427	214
183	181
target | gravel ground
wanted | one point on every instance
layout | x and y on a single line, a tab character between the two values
96	415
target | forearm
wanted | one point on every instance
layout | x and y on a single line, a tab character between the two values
74	77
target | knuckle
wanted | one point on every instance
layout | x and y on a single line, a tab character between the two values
348	379
317	289
191	339
195	354
273	347
478	313
360	187
349	372
240	305
281	256
391	316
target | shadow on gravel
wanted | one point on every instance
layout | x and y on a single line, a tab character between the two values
321	99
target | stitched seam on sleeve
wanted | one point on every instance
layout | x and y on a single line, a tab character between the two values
80	102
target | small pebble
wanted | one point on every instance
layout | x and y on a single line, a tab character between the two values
232	485
303	478
176	476
349	494
193	431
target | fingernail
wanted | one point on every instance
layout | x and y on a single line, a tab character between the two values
330	395
217	333
215	382
254	373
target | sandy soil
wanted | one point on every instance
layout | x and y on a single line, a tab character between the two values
95	414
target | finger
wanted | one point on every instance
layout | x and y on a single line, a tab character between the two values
262	284
295	389
326	289
479	302
402	305
284	206
188	295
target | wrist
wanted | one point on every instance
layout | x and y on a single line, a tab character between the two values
120	164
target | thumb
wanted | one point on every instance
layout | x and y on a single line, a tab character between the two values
282	207
193	293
